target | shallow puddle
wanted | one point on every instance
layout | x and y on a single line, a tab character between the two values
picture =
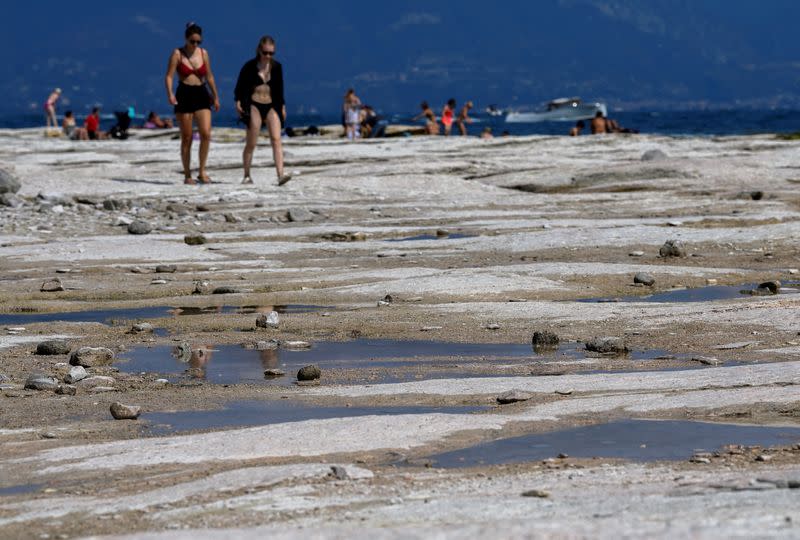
232	364
638	440
108	316
20	489
453	236
259	413
699	294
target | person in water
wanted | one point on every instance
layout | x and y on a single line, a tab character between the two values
50	109
259	102
447	115
577	128
431	125
196	94
599	124
463	118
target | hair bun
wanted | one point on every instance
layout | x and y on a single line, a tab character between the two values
190	24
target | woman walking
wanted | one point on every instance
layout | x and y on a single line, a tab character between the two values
259	102
196	94
50	110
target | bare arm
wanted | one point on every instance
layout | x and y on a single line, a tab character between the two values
211	83
172	65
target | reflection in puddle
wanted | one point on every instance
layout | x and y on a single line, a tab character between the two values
232	364
108	316
259	413
20	489
453	236
640	440
699	294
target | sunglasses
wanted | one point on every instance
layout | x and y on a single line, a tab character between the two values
195	41
267	53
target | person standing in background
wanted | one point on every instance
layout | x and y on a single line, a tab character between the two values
50	110
463	118
447	115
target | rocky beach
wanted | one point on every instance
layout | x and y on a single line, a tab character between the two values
415	337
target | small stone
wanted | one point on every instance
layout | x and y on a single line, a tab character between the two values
565	392
707	360
698	459
231	218
270	345
756	195
654	155
8	182
773	286
166	269
40	381
76	373
124	412
674	223
636	254
113	204
66	390
711	281
339	472
52	285
309	373
201	287
97	380
268	320
139	227
299	215
194	239
513	396
141	328
92	357
225	290
492	326
607	345
538	493
158	282
297	345
52	347
273	373
544	340
763	457
430	328
10	200
644	279
794	271
672	248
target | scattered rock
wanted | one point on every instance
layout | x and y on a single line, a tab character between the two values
201	287
513	396
707	360
538	493
339	472
297	345
231	218
40	381
8	182
299	215
182	352
98	380
66	390
544	341
141	328
268	320
139	227
636	254
756	195
763	457
274	373
102	389
773	286
113	205
76	373
345	237
92	357
565	392
225	290
644	279
736	345
52	285
492	326
699	459
672	248
124	412
430	328
166	269
10	200
607	345
654	155
52	347
194	239
309	373
270	345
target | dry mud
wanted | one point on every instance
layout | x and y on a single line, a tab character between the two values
479	244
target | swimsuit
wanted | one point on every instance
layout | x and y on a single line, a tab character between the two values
192	98
263	109
447	117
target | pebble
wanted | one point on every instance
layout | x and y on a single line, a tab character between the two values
309	373
52	285
40	381
52	347
139	227
566	392
141	328
166	269
158	282
492	326
299	215
339	472
231	218
76	373
295	345
644	279
124	412
273	373
538	493
225	290
66	390
92	357
194	239
97	380
513	396
544	339
161	381
201	287
636	254
607	345
672	248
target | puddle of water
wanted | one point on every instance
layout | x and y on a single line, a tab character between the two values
699	294
259	413
453	236
638	440
233	364
20	489
108	316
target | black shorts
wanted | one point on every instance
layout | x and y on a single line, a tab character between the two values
263	111
192	98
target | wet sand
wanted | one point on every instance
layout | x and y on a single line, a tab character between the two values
423	267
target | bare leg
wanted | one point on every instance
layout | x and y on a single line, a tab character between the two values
462	128
274	128
185	123
253	129
203	117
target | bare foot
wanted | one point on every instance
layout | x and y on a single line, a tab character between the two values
189	181
204	179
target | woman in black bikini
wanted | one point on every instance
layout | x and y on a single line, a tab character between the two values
196	94
259	101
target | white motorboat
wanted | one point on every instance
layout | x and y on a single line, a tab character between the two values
560	110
